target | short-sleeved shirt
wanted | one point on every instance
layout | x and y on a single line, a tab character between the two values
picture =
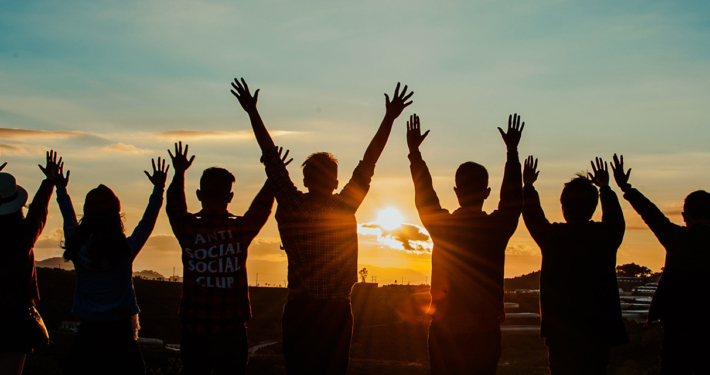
215	293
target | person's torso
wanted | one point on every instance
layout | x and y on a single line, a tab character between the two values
320	241
469	260
578	286
215	286
17	269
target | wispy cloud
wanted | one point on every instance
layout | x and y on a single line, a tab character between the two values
215	135
125	148
22	134
20	149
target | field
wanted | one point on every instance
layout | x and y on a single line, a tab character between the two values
389	337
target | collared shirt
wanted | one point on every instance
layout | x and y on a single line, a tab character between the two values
215	290
468	257
579	294
319	237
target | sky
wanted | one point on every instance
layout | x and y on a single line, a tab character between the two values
110	85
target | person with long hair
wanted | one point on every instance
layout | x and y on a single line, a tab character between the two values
103	257
23	329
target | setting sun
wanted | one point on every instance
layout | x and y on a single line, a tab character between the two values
389	218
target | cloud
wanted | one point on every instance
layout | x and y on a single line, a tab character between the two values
125	148
163	243
407	237
215	135
265	247
522	250
21	134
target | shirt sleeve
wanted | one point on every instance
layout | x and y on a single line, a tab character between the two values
67	209
260	209
511	194
176	205
39	209
356	189
534	217
612	215
660	225
145	227
286	193
425	198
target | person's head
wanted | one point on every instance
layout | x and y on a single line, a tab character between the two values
579	199
12	196
320	173
471	184
696	208
100	229
215	190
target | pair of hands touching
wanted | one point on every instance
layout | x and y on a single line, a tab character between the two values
599	175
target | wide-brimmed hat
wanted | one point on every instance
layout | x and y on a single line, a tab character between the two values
12	196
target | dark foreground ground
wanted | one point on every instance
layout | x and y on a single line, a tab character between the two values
389	336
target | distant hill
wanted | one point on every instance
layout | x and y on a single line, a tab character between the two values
527	281
56	262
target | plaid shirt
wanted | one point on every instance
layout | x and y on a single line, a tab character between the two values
215	291
320	238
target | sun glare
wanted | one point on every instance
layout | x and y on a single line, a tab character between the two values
389	219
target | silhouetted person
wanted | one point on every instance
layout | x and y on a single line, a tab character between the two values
319	234
18	280
685	279
215	292
103	256
468	257
579	294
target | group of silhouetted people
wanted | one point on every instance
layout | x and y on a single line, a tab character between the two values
579	297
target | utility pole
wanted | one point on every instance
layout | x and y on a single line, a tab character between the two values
173	274
426	280
257	279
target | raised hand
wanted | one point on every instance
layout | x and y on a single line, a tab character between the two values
530	171
180	162
160	174
515	130
622	179
54	170
601	173
3	166
283	159
242	94
414	133
399	102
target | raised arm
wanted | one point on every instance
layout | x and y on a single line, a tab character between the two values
248	102
176	202
425	197
511	191
39	208
145	227
394	108
56	174
659	224
612	214
533	215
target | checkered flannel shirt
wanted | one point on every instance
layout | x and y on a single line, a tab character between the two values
320	238
215	291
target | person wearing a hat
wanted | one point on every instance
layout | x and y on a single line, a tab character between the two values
103	256
23	329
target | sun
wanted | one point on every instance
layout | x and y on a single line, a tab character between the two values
389	218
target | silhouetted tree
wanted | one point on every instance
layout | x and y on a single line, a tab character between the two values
363	274
633	270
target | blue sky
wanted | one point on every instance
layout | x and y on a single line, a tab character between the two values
589	79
